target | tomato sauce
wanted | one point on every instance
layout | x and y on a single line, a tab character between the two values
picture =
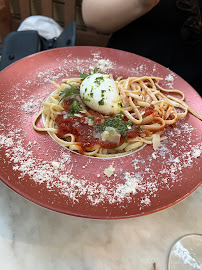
98	118
149	110
67	105
84	133
133	133
76	126
107	145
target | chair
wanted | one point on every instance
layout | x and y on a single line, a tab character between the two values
9	23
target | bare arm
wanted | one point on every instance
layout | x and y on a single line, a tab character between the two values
108	16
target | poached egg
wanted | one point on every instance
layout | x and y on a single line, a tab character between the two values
99	92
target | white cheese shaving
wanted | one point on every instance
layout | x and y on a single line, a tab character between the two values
196	153
156	141
111	135
154	156
109	171
90	122
78	115
55	165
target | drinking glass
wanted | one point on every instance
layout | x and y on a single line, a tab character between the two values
186	253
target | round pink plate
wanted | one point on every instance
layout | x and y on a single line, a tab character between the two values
39	169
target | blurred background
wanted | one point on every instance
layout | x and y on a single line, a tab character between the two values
13	12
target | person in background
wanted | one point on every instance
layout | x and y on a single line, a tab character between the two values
166	31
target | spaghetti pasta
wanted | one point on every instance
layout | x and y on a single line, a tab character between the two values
146	109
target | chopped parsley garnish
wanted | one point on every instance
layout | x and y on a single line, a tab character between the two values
85	98
118	123
75	107
98	80
84	75
91	117
101	102
103	91
73	90
120	104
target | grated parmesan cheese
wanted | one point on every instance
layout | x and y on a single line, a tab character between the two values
154	156
55	165
170	79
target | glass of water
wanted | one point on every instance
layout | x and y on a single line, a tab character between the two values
186	253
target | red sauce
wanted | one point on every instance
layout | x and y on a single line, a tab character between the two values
149	110
67	105
108	145
133	133
98	118
76	126
84	133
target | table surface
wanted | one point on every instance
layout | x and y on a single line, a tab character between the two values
32	237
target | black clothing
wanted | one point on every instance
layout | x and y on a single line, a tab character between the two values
170	34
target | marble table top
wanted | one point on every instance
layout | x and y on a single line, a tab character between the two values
35	238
